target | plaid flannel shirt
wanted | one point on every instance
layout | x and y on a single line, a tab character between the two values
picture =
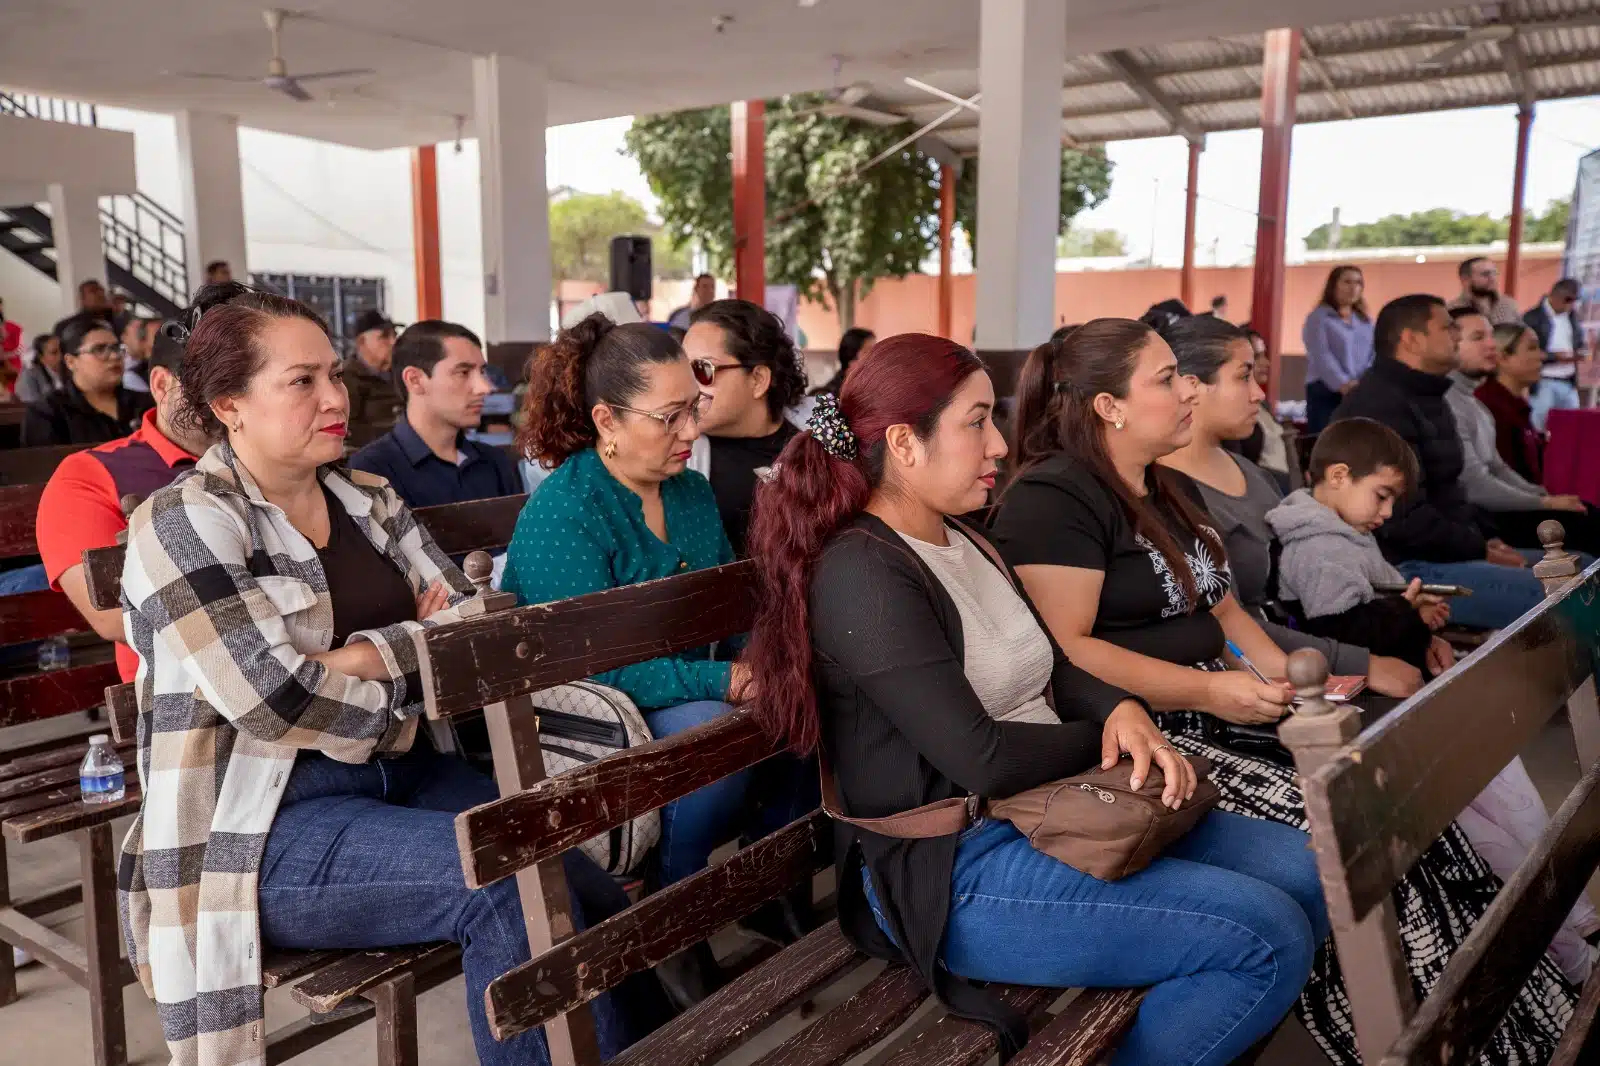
223	600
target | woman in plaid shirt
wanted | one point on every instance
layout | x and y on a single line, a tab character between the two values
272	596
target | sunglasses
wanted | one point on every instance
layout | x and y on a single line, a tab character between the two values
705	371
674	422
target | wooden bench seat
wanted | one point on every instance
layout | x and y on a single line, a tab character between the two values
504	655
1376	801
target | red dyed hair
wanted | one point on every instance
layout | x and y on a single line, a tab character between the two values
905	380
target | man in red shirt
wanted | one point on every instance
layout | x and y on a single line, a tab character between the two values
81	509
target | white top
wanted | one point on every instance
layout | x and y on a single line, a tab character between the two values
1561	343
1008	657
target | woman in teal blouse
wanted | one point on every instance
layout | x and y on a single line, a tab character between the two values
615	410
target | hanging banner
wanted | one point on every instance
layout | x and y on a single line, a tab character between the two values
1583	247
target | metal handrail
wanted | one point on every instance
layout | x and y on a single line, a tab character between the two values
49	108
144	238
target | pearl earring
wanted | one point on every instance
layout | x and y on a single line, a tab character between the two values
1117	424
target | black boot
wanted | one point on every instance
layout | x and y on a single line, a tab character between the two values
690	976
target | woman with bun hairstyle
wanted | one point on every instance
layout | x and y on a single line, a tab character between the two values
273	597
613	412
890	636
1133	580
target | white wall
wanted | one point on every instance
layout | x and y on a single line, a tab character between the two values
33	301
35	152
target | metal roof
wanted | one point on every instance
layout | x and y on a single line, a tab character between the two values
1459	57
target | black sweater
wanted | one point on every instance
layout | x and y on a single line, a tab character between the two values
1434	522
903	728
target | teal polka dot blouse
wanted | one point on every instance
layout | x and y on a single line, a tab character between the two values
583	531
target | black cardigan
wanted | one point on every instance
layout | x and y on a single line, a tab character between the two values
903	727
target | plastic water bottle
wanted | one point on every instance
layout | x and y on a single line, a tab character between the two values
101	777
54	654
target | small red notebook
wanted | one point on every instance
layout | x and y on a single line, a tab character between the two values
1341	689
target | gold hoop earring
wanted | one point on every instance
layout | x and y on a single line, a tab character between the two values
610	450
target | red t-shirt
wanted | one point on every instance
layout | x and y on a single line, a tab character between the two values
81	505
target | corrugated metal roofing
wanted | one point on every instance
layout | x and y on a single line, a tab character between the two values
1347	70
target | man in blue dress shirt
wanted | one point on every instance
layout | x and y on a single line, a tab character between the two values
427	456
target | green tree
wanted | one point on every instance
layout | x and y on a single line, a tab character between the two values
1078	241
1085	183
582	225
1549	224
1441	226
833	228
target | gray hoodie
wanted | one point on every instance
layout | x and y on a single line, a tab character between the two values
1488	481
1327	565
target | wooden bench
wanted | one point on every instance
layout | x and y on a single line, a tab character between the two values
33	466
497	661
1378	800
39	799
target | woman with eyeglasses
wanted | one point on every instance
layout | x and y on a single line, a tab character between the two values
91	407
613	412
743	358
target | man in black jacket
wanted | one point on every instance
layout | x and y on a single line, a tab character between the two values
1435	533
1555	321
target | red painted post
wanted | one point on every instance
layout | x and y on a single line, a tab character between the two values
1280	86
1186	280
750	200
425	231
1518	192
947	221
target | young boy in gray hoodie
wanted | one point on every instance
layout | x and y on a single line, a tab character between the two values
1330	560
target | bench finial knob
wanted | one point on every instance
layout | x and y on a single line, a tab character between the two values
1308	673
1552	536
479	568
130	503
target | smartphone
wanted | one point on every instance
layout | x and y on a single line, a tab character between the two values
1390	588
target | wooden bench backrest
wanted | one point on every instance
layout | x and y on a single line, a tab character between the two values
498	661
33	466
19	511
1377	801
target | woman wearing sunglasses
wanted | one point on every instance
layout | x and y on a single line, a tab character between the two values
743	359
613	412
92	407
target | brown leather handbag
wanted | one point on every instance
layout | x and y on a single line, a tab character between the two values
1094	821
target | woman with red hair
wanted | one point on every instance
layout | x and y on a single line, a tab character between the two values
890	635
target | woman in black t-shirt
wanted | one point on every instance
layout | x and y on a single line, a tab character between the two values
1133	583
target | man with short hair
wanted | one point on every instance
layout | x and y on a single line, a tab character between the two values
218	272
374	401
1219	307
92	297
81	506
704	291
427	456
138	337
1555	321
1480	288
92	406
1435	533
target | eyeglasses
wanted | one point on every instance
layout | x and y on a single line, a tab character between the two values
104	351
705	371
674	422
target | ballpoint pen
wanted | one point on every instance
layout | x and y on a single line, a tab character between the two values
1248	665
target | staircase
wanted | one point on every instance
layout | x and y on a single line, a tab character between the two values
143	241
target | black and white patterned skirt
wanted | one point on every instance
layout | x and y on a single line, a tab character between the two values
1436	904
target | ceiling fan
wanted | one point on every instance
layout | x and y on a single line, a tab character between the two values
278	78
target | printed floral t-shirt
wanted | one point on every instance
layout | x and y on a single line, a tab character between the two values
1059	513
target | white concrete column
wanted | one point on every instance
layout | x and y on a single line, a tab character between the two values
75	220
1021	52
213	198
509	97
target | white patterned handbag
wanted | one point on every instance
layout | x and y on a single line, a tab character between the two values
585	721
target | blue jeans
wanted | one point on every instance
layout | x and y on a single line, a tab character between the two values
1321	403
364	856
1500	594
693	826
1552	394
1223	928
23	579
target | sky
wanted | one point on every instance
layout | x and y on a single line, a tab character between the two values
1367	168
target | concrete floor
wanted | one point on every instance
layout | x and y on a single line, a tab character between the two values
48	1024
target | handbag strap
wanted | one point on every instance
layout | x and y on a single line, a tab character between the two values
941	818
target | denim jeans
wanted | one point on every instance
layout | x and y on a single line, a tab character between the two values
23	579
1500	594
1223	927
364	856
1551	394
693	826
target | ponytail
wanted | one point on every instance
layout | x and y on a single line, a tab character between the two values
813	493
